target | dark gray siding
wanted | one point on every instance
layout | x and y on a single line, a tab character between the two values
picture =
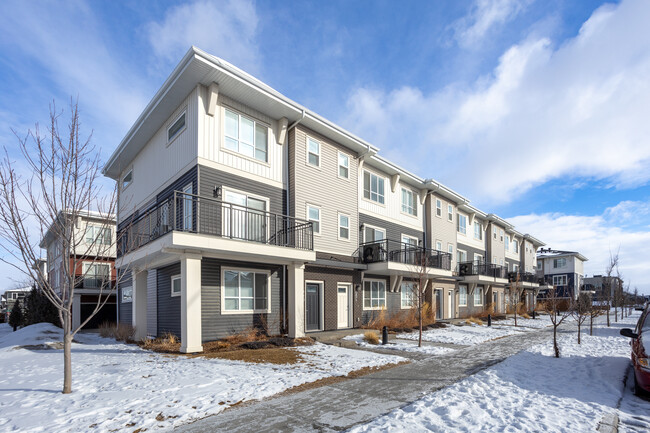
393	231
214	324
124	308
472	309
152	303
169	307
471	252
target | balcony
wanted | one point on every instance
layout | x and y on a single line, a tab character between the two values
523	277
188	215
388	256
482	272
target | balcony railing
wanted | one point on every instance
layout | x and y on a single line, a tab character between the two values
481	268
522	277
208	216
386	250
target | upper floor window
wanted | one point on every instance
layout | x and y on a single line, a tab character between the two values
438	245
373	187
438	208
127	179
313	215
478	233
516	246
450	212
539	265
313	152
176	128
409	204
507	243
462	224
461	256
373	234
246	136
450	249
96	275
344	226
501	234
344	165
559	263
98	235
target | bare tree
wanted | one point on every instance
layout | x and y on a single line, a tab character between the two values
581	309
62	185
516	292
595	310
608	283
419	258
558	310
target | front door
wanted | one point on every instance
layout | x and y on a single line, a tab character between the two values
343	307
312	306
439	304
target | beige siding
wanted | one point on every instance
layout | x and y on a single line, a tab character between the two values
510	254
323	188
496	247
439	228
529	257
159	161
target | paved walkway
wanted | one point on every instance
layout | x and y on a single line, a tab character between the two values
344	404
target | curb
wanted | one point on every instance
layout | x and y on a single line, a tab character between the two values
608	424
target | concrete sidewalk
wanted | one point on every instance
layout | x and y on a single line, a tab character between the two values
344	404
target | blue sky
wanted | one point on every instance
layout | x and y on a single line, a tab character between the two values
535	110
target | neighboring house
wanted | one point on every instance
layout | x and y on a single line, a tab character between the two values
239	207
563	270
95	253
602	287
11	296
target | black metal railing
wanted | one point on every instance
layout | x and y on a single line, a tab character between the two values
482	268
208	216
387	250
523	277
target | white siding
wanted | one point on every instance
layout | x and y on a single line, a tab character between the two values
470	240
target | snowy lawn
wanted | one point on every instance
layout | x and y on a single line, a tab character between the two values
118	386
530	391
403	346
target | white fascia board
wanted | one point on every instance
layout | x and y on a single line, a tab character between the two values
441	189
534	240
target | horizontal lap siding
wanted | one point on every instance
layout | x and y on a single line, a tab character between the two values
471	252
169	308
152	303
124	307
393	231
216	325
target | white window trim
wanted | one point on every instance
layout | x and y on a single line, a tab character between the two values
266	200
222	137
171	288
439	242
320	217
129	171
180	131
450	215
404	235
240	312
413	300
478	290
320	152
122	295
501	234
507	243
416	199
564	277
460	302
363	295
369	200
438	202
452	250
380	229
458	215
478	258
458	250
338	165
338	231
321	293
480	231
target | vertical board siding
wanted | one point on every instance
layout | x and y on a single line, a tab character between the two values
323	188
393	231
152	303
169	307
125	308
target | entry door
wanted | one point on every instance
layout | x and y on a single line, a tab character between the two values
343	307
439	304
312	306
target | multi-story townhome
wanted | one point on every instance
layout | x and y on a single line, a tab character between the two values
563	270
527	271
602	287
95	258
240	207
11	296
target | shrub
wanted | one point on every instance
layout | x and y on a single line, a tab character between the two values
371	337
16	317
525	316
120	332
39	309
474	320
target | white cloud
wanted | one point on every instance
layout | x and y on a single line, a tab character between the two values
225	29
484	17
545	112
595	237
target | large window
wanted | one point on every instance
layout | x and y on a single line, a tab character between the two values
373	187
409	203
313	215
246	136
462	224
176	128
409	294
462	296
478	296
95	275
313	152
461	256
559	263
176	285
127	294
96	235
344	226
344	165
374	295
478	232
244	217
374	234
245	290
559	280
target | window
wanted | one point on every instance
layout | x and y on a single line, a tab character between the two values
461	256
127	179
127	294
494	232
450	212
409	204
539	265
409	295
501	262
95	275
501	234
450	249
313	152
515	268
374	295
559	263
478	233
438	245
344	165
478	259
478	296
462	296
516	245
176	128
313	215
246	136
494	260
187	208
462	224
373	234
559	280
438	208
373	187
244	217
507	243
98	235
245	290
176	285
344	226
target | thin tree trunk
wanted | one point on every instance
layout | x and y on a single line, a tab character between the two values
420	319
556	349
67	354
578	332
591	325
608	323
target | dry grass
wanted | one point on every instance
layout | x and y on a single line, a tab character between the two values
402	320
246	336
525	316
168	343
371	337
474	320
276	355
120	332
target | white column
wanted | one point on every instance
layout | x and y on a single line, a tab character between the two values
296	313
139	304
191	303
76	311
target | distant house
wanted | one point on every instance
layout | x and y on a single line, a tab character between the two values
602	286
10	297
563	270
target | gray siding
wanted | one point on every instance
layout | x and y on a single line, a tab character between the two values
393	231
472	252
124	307
472	309
152	303
169	307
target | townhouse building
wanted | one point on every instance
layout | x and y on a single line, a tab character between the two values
602	287
91	259
239	207
563	270
11	296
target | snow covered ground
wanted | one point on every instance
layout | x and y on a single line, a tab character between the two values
118	386
400	345
532	391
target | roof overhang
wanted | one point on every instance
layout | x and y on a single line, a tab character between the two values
534	240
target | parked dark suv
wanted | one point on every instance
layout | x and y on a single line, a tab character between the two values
640	352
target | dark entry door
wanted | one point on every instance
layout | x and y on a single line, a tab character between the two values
312	307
